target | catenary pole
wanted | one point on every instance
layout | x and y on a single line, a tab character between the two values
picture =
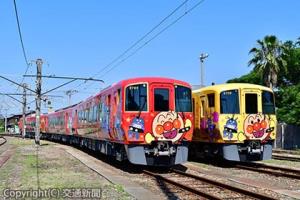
24	110
39	63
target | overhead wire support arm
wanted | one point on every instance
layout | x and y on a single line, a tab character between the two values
72	79
11	97
59	86
66	77
17	84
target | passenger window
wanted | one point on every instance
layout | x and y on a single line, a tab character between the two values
161	99
251	103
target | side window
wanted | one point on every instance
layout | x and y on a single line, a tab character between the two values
108	103
161	99
80	116
91	114
211	100
94	113
86	115
99	110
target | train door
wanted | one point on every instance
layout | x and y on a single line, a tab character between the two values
113	114
75	122
252	113
108	113
162	108
203	117
67	128
162	98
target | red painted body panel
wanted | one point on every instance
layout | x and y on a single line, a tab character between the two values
103	116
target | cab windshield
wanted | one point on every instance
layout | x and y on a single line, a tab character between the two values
268	106
230	102
183	99
136	98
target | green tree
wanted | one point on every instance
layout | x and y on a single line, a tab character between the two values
288	103
253	77
268	59
292	57
1	125
286	57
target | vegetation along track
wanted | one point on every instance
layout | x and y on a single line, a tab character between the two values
203	187
288	158
271	170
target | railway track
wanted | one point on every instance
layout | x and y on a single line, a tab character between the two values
2	140
293	152
202	187
271	170
10	135
287	158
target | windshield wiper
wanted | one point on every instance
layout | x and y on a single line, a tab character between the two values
141	107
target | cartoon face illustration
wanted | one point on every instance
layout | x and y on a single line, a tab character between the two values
230	128
257	126
136	127
169	126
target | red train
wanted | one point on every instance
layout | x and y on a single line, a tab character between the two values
145	120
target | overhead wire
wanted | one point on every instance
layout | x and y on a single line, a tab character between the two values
21	39
143	37
22	42
138	41
151	39
155	36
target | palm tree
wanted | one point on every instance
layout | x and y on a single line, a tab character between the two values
268	59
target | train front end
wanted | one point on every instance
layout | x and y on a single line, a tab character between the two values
157	120
238	121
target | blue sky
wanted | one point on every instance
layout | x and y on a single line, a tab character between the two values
79	38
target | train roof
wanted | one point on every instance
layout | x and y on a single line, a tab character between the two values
154	79
65	108
145	79
231	86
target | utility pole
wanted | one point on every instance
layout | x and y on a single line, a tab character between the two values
202	57
5	120
24	110
39	63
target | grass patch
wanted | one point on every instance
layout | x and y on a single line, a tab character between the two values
54	168
202	165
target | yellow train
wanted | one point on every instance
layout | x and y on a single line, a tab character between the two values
235	121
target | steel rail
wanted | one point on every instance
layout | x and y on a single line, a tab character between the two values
225	186
276	173
288	158
272	167
1	137
180	185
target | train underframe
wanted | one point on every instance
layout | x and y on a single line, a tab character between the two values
250	150
163	154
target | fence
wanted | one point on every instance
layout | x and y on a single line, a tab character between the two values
288	136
